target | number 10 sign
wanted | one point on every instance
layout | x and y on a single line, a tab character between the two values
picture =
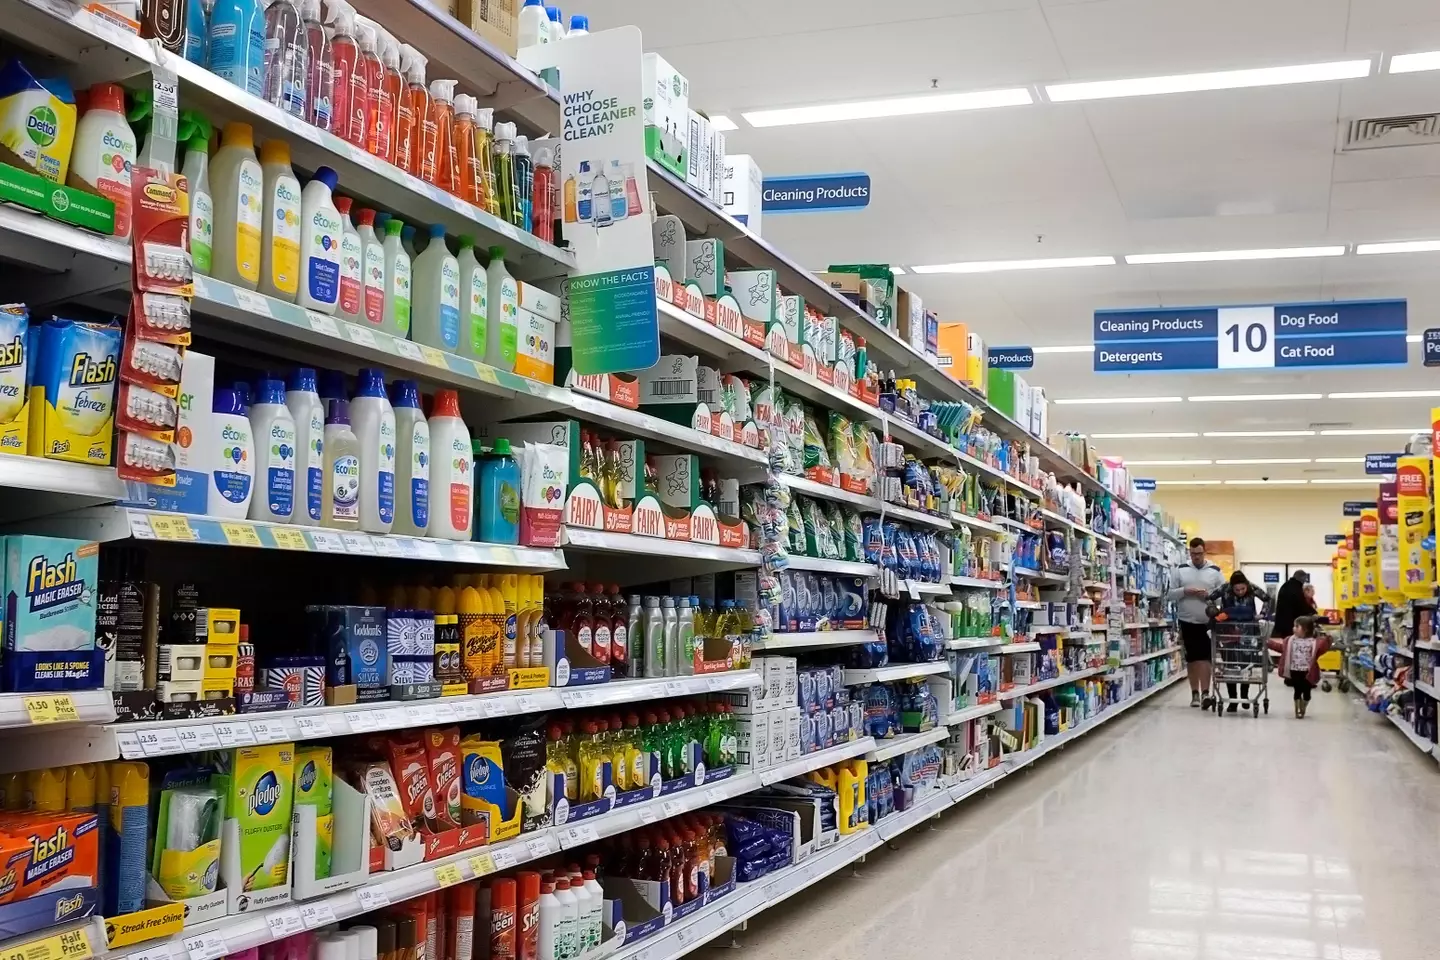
1287	335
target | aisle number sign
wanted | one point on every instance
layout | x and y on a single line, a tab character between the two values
1281	336
1431	344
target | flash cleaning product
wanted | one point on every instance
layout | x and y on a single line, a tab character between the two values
104	151
439	161
73	376
474	301
412	112
287	73
502	324
15	362
351	303
238	183
498	496
373	422
320	238
341	504
319	66
309	418
436	314
232	474
412	461
196	170
372	268
280	239
451	476
395	318
274	431
237	44
350	110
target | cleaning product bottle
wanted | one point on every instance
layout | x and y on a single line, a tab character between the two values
685	616
548	941
543	194
579	25
524	183
474	304
286	70
510	598
484	159
350	110
396	314
671	636
320	67
451	476
274	430
599	194
557	24
407	242
196	47
196	170
237	43
350	305
392	84
280	239
654	629
372	268
379	109
308	416
103	151
320	238
412	460
436	313
341	505
232	446
619	207
238	185
438	161
502	155
467	170
534	24
412	113
498	497
502	323
374	427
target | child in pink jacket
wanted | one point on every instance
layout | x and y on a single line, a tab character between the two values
1300	660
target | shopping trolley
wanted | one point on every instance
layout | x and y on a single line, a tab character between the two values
1238	654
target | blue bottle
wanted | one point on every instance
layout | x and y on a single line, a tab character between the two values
237	43
197	33
497	496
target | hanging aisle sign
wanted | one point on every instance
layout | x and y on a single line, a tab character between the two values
1431	343
1144	484
815	193
1282	336
1352	508
1381	463
1331	539
1010	358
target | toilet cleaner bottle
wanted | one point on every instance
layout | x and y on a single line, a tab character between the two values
273	427
373	421
308	415
451	474
351	303
280	239
435	315
412	461
321	233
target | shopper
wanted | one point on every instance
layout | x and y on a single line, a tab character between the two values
1235	603
1291	601
1194	582
1300	660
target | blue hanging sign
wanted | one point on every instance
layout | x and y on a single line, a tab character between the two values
1381	463
1282	336
1331	539
1272	577
1144	484
1011	358
814	193
1432	347
1352	508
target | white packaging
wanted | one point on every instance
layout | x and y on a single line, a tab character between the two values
372	420
744	190
666	96
752	746
308	414
274	431
231	452
776	670
537	300
103	151
435	296
451	480
412	461
351	303
705	264
779	735
321	232
716	189
668	235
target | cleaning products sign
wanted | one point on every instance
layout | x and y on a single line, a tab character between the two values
1351	333
605	201
1011	358
813	193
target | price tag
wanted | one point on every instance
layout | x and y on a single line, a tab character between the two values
268	731
357	543
158	742
432	356
447	875
408	547
65	711
715	795
726	913
240	534
427	549
284	923
495	708
389	718
372	898
171	528
672	808
207	946
70	945
361	336
577	836
140	527
327	542
313	727
443	713
538	847
682	936
386	546
467	711
316	914
406	349
674	688
504	859
236	733
287	539
322	324
482	865
465	553
526	703
361	721
129	745
41	709
419	716
253	303
198	738
647	815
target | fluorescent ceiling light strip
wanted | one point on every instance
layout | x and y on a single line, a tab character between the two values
1260	433
723	123
1356	482
1072	348
1339	459
1092	401
1167	463
1211	256
1188	483
996	266
1266	483
1415	62
1143	436
898	271
1385	432
1251	397
1413	338
1384	395
1399	246
893	107
1221	80
1263	461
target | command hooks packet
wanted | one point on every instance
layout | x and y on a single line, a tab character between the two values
161	244
544	473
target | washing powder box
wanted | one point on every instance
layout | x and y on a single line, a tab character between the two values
50	585
744	191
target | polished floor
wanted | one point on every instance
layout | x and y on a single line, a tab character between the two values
1167	834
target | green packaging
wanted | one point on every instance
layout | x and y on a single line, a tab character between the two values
261	797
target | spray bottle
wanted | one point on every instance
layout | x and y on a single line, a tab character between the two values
524	183
467	168
195	134
349	108
502	156
542	192
412	114
379	115
438	158
484	147
320	62
237	44
393	85
286	71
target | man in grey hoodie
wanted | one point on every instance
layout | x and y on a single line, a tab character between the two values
1194	582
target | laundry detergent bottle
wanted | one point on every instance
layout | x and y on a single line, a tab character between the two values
274	428
498	496
503	321
232	473
474	301
395	319
341	505
372	267
412	461
238	184
373	421
435	318
103	152
308	415
451	474
280	240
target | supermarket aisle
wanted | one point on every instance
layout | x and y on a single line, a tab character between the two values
1168	835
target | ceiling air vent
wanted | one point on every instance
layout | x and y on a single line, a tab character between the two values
1329	425
1377	133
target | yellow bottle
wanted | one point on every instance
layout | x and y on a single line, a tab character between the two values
510	600
80	787
399	598
593	760
536	632
472	618
571	216
522	620
444	600
619	767
827	777
422	597
45	790
852	796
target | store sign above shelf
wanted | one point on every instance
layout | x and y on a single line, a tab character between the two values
1381	463
1432	347
815	193
1352	508
1011	358
1282	336
1142	483
1331	539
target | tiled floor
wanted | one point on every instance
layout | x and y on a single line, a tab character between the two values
1168	834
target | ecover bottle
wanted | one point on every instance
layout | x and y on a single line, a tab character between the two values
238	186
372	267
373	421
351	303
435	317
309	418
280	238
503	320
341	506
451	474
474	302
286	70
274	430
412	461
196	170
232	471
395	316
321	233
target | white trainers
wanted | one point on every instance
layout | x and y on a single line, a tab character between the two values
1194	698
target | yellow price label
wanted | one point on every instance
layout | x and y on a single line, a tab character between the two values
432	356
70	945
485	373
482	865
171	528
448	875
240	534
65	710
287	539
42	709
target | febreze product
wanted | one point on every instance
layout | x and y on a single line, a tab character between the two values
72	392
1417	523
50	587
37	121
14	367
261	797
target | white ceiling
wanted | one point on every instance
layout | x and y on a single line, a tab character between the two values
1200	171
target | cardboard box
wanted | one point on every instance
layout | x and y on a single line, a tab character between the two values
678	475
535	346
718	167
495	21
792	316
743	191
752	748
705	264
667	113
977	363
758	293
911	313
952	352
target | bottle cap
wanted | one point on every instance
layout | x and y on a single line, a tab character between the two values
578	21
447	404
303	379
342	205
242	393
368	941
226	402
404	393
107	96
408	232
406	933
337	411
502	893
465	105
485	117
561	883
553	13
270	391
544	156
522	146
443	90
393	228
332	384
496	253
529	885
502	448
437	231
275	151
364	217
381	218
504	131
413	64
325	175
238	135
534	3
350	940
467	242
370	382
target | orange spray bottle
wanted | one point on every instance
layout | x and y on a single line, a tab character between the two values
467	166
438	157
379	114
410	117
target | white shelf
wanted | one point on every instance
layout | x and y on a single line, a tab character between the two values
1019	761
1010	648
1417	741
817	760
978	583
1427	644
1096	627
926	589
1060	681
885	749
1041	629
1039	575
635	691
18	709
972	713
1403	652
598	540
974	643
1095	585
976	523
897	512
821	638
895	671
844	568
1427	689
1148	656
825	491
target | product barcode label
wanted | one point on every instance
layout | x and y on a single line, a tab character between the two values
358	543
668	388
581	835
327	542
443	713
159	742
467	711
360	335
129	745
322	324
253	303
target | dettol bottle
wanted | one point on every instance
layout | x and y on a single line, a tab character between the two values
341	505
502	322
321	234
451	477
436	315
273	427
374	426
395	315
351	303
238	184
280	238
412	460
309	417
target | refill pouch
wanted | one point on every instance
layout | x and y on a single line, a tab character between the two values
72	393
484	799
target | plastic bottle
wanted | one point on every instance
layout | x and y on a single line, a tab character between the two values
654	638
467	169
103	151
321	234
451	476
548	946
374	427
568	929
619	208
407	241
474	301
350	305
685	615
524	183
273	428
632	191
233	466
412	461
196	170
238	185
534	24
579	25
395	318
439	162
379	110
601	623
237	44
196	47
435	317
350	110
509	590
341	504
308	416
671	636
542	191
502	157
502	324
287	73
557	24
498	496
412	112
320	67
599	196
635	637
485	160
584	910
372	268
280	239
391	84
